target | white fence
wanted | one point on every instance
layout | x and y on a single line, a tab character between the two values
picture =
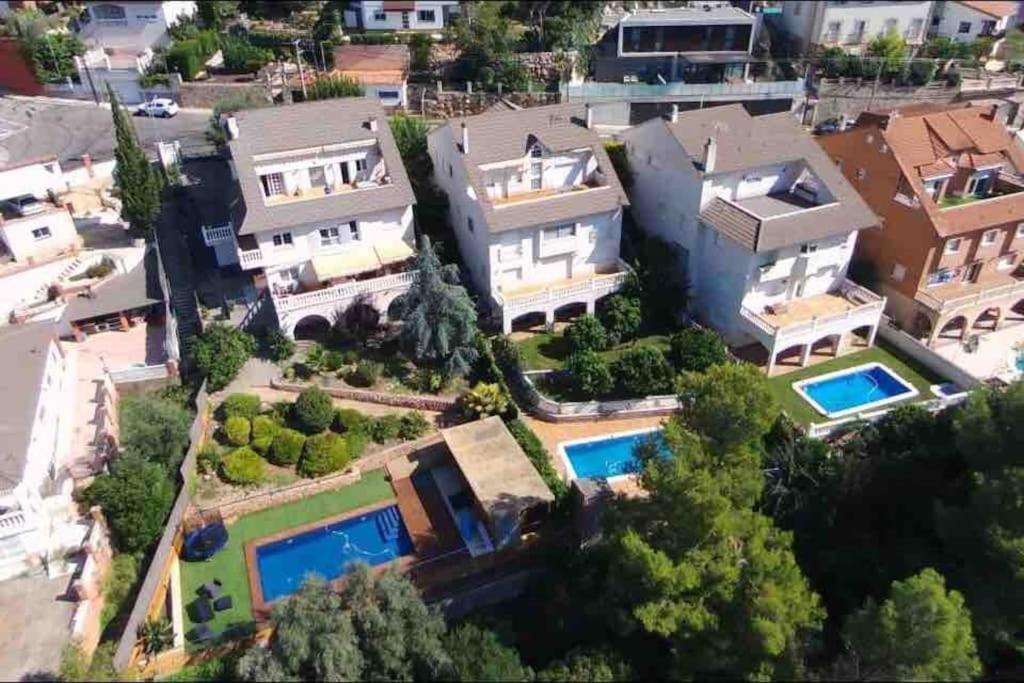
349	290
823	430
554	411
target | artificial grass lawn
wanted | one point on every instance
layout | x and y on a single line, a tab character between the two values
802	412
548	351
229	564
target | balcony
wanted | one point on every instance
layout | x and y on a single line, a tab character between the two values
597	182
805	320
329	297
547	296
952	298
216	234
14	522
327	191
250	258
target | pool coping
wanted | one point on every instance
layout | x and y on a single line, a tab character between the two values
261	608
571	471
798	387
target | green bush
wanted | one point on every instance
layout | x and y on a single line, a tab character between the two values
240	405
695	349
643	371
428	380
622	316
385	428
323	454
356	444
240	56
264	429
348	420
280	412
506	353
365	374
921	73
412	426
586	333
220	352
484	399
237	430
185	58
538	455
313	410
243	466
620	162
286	448
279	347
208	461
332	360
588	374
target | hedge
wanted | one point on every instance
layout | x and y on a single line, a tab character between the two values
243	466
264	429
323	454
539	456
286	448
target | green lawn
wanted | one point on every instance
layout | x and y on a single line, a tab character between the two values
547	351
229	564
802	412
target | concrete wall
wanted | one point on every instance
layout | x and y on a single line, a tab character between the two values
926	356
17	235
37	180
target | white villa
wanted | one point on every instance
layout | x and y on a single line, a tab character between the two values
764	224
324	212
400	15
536	207
37	515
38	230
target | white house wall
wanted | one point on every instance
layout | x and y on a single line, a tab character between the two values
37	180
953	13
17	234
812	22
393	19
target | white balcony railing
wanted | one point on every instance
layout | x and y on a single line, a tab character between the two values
967	301
330	295
215	234
13	522
253	258
591	288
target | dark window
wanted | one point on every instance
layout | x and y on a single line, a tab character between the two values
723	38
426	15
965	27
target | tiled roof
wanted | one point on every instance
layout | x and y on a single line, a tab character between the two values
24	349
311	125
507	135
732	221
993	8
137	288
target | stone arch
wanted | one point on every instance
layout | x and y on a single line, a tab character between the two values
312	326
1016	312
988	319
529	321
827	345
791	356
954	328
570	311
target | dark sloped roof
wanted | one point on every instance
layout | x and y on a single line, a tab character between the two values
507	135
137	288
24	350
732	221
306	125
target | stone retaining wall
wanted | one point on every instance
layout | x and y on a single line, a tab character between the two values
200	95
248	503
413	401
449	102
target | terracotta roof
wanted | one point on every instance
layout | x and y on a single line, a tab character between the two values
936	170
372	64
993	8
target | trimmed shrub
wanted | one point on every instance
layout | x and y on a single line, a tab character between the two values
185	58
332	360
538	455
356	444
364	374
286	447
240	405
586	333
412	425
643	371
484	399
428	380
347	420
696	349
237	430
209	459
385	428
280	412
313	410
243	466
264	429
588	374
622	316
323	454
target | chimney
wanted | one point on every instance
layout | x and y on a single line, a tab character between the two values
893	115
373	124
589	116
710	152
675	113
465	138
231	124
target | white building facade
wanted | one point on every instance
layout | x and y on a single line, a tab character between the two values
966	22
536	208
763	224
852	25
324	212
395	15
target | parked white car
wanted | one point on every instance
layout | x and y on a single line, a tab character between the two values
160	107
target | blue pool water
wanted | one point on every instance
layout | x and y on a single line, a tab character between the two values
1020	361
375	538
608	457
856	389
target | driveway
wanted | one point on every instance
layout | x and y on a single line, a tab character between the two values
34	628
38	127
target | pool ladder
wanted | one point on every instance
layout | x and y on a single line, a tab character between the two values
389	523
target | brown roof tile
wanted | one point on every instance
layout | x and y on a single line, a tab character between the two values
993	8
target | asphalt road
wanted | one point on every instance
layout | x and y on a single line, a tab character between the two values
35	128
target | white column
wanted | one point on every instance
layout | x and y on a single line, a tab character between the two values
549	319
506	323
591	307
872	333
805	355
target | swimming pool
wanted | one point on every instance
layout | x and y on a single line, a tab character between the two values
376	537
605	457
853	390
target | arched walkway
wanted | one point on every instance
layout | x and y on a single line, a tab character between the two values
826	346
529	322
312	327
955	328
861	337
988	320
570	312
791	356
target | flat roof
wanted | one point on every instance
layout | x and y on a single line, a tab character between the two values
137	288
688	15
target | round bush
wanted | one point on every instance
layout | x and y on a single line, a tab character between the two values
365	374
323	454
412	425
356	444
385	428
286	448
622	316
588	374
264	429
586	333
237	430
696	349
643	371
313	410
483	399
348	420
243	466
240	405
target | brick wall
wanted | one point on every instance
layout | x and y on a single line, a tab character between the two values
16	73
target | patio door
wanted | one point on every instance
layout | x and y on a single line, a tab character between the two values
345	177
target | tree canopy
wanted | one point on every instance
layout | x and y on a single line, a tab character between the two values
220	352
134	176
154	428
477	655
136	497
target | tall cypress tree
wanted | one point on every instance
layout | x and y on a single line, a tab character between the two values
136	179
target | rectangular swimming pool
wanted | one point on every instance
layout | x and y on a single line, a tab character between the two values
377	537
854	390
606	457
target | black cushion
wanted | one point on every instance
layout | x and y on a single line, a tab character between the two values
222	603
201	633
200	610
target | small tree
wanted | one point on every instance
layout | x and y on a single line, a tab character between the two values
220	352
156	635
478	655
695	349
278	346
622	316
438	317
588	374
135	496
891	49
154	428
237	430
134	176
643	371
729	405
483	400
586	333
313	410
599	667
323	454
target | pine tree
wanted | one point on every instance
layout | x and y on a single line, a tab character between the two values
134	176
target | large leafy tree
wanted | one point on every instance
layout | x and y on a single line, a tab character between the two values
921	632
438	317
136	496
154	428
134	176
477	655
729	405
373	629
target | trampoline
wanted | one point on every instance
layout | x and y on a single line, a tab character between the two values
202	544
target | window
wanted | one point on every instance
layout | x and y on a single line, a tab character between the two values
536	152
989	237
388	94
426	15
1006	262
329	237
283	239
1020	230
898	272
380	15
353	231
832	33
360	165
988	28
560	232
859	28
890	26
952	246
914	32
41	234
941	277
965	27
273	184
469	224
107	12
808	248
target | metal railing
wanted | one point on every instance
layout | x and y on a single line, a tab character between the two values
596	286
290	302
215	234
763	89
957	303
13	521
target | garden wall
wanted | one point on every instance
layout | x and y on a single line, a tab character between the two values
446	103
200	95
414	401
578	411
247	503
926	356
